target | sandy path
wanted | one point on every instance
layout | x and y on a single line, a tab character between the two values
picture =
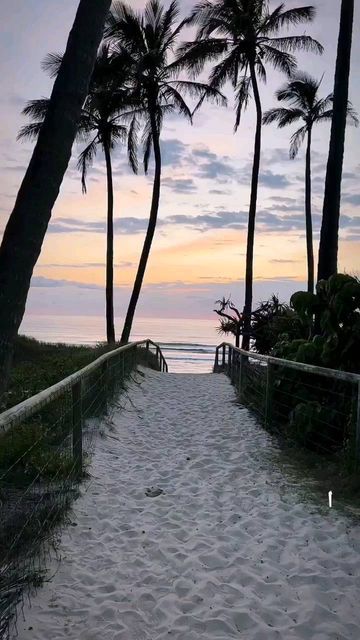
231	549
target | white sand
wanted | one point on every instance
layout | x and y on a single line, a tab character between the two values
231	549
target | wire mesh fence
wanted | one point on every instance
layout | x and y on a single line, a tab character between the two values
317	407
45	447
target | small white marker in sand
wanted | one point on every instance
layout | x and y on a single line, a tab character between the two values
330	499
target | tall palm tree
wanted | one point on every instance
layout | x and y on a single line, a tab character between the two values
301	94
149	40
26	228
329	236
106	107
246	36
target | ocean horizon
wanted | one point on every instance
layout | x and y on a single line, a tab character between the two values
188	344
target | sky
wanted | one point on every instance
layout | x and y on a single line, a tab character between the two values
198	253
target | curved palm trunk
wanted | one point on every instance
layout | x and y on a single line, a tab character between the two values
110	329
149	234
252	214
28	222
308	216
328	249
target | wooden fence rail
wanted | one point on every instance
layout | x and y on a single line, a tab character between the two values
232	361
74	384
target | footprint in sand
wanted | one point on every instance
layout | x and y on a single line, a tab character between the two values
153	492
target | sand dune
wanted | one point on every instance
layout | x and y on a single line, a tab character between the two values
231	548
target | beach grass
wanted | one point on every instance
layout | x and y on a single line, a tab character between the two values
38	482
38	365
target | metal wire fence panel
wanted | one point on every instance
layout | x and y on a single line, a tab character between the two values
317	407
45	446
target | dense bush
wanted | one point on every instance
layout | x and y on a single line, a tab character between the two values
332	319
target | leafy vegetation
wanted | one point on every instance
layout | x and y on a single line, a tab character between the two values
336	307
319	413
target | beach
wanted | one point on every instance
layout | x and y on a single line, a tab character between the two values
190	527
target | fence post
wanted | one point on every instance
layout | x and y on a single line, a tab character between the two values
241	375
77	421
216	366
157	355
229	361
104	385
223	357
357	451
268	394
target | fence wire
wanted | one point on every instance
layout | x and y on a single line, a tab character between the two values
39	471
317	408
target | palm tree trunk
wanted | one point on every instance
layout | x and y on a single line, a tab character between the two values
252	214
308	216
149	233
328	250
28	222
110	328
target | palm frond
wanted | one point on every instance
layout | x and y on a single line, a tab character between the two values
85	160
167	34
296	141
227	69
36	108
29	131
204	11
147	146
282	116
300	92
200	90
52	63
324	104
280	60
117	133
297	43
242	99
132	144
352	115
126	26
171	93
193	56
279	18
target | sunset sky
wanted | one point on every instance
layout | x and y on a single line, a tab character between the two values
199	250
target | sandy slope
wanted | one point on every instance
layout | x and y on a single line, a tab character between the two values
231	549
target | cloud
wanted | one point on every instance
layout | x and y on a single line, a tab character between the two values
41	282
203	152
216	170
127	225
283	261
14	100
220	192
206	221
87	265
273	180
180	185
18	168
353	199
173	152
278	219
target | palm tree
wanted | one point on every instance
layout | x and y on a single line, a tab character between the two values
107	105
148	40
329	235
246	36
26	228
301	93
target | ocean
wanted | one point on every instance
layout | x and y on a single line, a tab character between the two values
188	344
